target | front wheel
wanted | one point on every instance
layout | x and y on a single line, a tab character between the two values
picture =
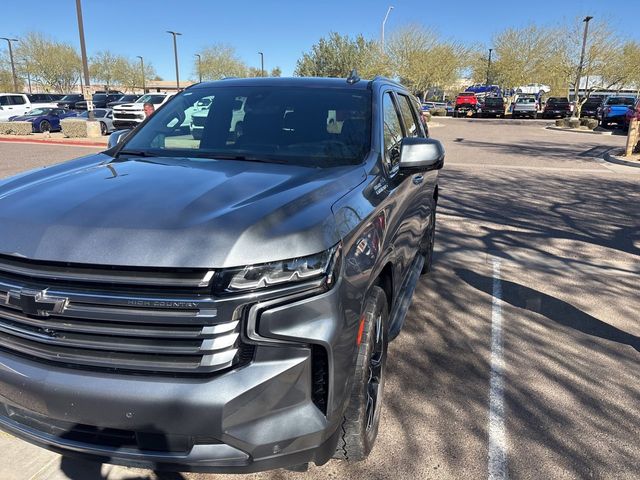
45	126
103	128
362	416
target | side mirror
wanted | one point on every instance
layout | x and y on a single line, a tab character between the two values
423	154
116	137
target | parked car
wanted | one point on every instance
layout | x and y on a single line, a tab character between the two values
466	103
632	112
129	115
123	99
14	104
614	110
481	88
43	99
44	119
525	106
100	100
591	108
104	116
222	305
557	107
534	88
492	107
69	101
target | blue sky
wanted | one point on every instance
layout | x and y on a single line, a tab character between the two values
285	29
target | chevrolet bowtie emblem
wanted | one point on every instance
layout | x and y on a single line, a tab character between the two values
33	302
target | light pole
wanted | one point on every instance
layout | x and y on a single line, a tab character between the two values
83	51
199	66
144	90
175	54
13	66
489	65
383	23
261	64
576	89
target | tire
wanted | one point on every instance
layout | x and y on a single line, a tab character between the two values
45	126
103	128
429	243
362	416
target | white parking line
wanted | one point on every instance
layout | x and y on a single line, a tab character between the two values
497	435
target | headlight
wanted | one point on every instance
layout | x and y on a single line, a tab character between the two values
295	270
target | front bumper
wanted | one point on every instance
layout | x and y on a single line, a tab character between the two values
255	417
122	124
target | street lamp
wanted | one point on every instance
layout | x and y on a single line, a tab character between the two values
261	64
199	66
489	65
144	90
383	23
13	67
576	90
85	63
175	54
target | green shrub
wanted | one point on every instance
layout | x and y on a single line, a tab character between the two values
439	112
562	122
16	128
427	116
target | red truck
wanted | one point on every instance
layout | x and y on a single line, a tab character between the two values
465	102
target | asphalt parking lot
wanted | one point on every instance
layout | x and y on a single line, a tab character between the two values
521	351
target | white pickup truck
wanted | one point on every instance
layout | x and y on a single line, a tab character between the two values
129	115
14	104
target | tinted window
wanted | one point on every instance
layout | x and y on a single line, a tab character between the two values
17	100
155	99
621	101
557	100
99	112
99	97
318	127
72	98
4	100
410	124
392	132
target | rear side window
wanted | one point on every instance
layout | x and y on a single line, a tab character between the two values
4	100
392	132
410	122
17	100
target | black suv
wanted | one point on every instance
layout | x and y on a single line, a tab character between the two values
100	100
221	304
69	101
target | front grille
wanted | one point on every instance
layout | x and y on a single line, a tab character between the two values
127	116
148	320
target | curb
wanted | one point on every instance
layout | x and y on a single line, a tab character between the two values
53	142
613	159
575	130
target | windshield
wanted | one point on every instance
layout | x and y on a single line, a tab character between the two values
150	98
320	127
526	100
99	97
40	111
71	97
494	101
621	101
556	101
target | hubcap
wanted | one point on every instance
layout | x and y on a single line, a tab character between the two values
374	384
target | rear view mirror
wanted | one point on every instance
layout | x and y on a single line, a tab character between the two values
116	137
421	154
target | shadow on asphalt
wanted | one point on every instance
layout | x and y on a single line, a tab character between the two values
553	308
76	469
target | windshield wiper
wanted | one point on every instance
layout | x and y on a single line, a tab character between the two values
136	153
234	156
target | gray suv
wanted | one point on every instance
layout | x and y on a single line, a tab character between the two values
220	304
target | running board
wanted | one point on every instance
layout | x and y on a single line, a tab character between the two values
403	302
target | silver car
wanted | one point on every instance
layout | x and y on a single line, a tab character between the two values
104	116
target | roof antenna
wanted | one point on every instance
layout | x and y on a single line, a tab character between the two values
353	77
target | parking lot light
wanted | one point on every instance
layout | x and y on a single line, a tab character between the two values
175	54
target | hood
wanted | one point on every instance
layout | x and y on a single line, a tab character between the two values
24	118
130	106
171	212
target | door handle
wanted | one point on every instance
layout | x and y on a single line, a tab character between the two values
417	180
